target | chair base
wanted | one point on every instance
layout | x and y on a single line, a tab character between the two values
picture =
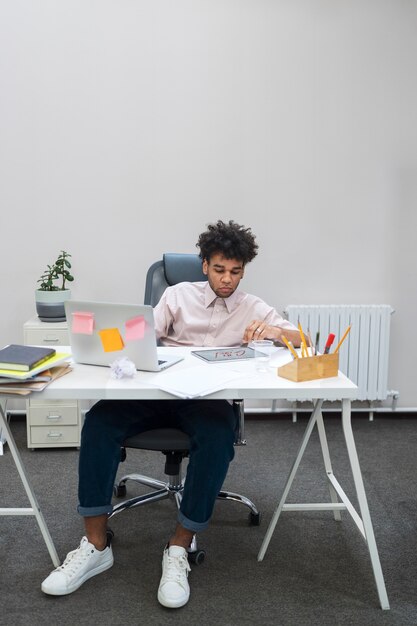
172	488
254	514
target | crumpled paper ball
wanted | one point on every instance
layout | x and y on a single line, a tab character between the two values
122	368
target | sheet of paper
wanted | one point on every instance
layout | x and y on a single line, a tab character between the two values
135	328
195	382
27	386
82	322
111	339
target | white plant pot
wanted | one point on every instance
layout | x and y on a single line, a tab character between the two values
50	304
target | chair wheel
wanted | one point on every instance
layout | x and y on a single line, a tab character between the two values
254	519
119	491
197	557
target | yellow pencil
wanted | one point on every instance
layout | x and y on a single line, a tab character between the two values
303	341
343	338
289	346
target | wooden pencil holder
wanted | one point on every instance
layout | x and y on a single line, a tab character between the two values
310	368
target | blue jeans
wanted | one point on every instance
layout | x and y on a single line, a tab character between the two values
210	424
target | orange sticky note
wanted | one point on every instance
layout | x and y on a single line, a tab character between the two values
82	322
111	339
135	328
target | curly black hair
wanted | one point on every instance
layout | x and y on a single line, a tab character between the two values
231	240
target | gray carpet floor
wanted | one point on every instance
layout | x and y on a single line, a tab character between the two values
316	570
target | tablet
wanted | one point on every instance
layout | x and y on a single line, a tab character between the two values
225	354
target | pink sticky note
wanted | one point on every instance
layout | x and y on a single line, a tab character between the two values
135	328
83	322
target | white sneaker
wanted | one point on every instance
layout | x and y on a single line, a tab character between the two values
174	590
80	565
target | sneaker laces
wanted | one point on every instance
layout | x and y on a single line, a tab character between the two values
76	558
176	568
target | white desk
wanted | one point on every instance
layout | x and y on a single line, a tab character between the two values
94	383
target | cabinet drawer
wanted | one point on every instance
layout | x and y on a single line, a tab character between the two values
46	337
39	401
53	415
44	435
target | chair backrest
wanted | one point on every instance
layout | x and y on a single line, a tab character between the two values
172	269
178	268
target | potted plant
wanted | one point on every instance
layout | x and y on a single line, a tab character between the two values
53	290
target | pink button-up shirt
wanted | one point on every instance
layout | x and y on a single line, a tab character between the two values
190	314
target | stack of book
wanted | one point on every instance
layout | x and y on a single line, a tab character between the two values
24	369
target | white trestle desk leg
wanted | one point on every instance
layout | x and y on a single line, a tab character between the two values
327	464
278	510
363	505
35	510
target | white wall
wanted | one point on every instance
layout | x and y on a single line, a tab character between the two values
128	125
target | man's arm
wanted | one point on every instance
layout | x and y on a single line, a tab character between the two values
162	314
259	329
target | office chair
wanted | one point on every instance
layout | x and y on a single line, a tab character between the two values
173	443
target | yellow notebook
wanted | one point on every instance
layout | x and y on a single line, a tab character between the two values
54	360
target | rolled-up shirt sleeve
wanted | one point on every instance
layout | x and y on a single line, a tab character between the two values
272	318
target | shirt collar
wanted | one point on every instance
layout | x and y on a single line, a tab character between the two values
231	302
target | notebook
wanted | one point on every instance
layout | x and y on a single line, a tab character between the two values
101	332
24	358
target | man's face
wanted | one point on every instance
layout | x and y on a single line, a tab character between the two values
224	275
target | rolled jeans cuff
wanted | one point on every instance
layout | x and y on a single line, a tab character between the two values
195	527
93	511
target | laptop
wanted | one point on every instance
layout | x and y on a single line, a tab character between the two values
101	332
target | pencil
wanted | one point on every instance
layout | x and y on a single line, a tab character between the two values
289	346
303	340
316	347
311	342
343	338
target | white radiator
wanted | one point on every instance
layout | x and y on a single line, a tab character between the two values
364	354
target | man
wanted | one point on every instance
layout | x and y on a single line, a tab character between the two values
213	313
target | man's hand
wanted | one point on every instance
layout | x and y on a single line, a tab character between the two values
258	329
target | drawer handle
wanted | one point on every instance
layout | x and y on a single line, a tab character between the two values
50	340
54	417
54	435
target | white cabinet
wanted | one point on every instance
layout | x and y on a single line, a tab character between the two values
49	423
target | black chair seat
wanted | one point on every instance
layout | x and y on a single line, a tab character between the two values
160	439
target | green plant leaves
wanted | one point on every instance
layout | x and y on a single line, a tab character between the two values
57	271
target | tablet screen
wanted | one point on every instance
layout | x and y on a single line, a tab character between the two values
216	355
